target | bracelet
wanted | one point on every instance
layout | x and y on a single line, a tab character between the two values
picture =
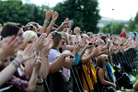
53	22
17	61
46	22
15	64
40	84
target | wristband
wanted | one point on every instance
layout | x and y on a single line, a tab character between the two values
53	22
46	22
17	61
15	64
41	83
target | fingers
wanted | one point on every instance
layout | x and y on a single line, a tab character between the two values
48	39
10	39
28	49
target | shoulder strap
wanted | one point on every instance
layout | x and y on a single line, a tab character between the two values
97	71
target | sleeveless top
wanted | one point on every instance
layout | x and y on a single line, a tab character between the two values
100	85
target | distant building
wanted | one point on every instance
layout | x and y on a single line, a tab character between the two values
106	20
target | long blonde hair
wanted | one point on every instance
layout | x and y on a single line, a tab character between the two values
100	60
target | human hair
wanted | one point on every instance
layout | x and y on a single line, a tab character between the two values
10	29
71	37
34	24
85	36
103	37
56	39
27	36
65	36
89	34
29	27
100	60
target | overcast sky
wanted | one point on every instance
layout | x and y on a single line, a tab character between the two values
123	9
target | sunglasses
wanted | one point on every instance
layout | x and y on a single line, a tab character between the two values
53	34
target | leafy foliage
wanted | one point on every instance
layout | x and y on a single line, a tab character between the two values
84	13
117	27
133	24
16	11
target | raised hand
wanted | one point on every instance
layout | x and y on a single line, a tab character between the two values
69	62
40	42
71	21
48	14
54	16
64	24
48	45
95	51
23	56
66	20
9	46
48	39
82	43
67	53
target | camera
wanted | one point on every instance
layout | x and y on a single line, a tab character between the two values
96	45
69	24
90	43
71	57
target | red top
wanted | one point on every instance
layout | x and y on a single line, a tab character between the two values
122	35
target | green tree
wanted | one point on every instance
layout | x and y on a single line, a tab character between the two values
16	11
84	13
117	27
133	24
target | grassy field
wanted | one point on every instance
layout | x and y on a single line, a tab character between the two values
133	82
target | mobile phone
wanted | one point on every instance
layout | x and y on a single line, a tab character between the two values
69	24
19	71
90	43
96	45
108	40
71	57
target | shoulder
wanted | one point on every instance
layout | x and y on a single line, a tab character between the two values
100	71
53	52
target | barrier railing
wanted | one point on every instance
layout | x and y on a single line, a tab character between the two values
128	61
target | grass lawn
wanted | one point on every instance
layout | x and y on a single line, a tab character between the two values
133	82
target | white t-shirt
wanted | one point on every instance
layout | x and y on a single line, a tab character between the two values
53	54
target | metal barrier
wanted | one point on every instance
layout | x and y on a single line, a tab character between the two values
128	61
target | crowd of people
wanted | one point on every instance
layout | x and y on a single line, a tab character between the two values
32	53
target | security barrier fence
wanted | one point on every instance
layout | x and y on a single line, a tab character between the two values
128	62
